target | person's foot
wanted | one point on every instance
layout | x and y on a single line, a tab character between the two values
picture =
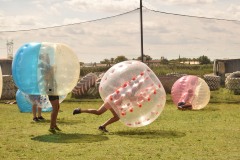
103	129
35	119
185	107
41	118
77	111
52	130
56	128
181	103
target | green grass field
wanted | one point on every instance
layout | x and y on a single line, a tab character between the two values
209	134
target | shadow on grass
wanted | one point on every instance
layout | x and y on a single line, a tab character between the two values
70	138
151	134
67	122
226	102
208	109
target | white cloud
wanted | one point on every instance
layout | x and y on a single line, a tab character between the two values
26	20
234	11
54	9
164	34
186	2
18	22
103	5
72	20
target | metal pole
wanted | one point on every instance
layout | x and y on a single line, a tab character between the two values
141	24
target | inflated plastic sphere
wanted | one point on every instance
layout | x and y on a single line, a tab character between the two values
1	81
25	102
25	105
191	89
45	69
42	101
134	92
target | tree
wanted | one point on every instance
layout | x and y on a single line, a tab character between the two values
145	57
120	59
204	60
105	61
112	60
164	60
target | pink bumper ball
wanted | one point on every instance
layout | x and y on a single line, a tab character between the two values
134	92
191	90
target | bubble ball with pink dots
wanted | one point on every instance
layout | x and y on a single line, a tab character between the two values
192	90
134	92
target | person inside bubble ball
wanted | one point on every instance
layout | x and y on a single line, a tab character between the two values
54	100
116	99
185	102
47	71
36	111
104	107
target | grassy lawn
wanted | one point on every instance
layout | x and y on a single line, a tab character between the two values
209	134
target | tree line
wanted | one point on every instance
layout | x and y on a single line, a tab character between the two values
202	60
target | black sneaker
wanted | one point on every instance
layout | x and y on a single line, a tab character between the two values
103	129
35	119
52	130
181	103
41	118
185	107
189	107
77	111
58	129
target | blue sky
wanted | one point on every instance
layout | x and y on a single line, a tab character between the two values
32	14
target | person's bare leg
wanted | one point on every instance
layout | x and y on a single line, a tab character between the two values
98	111
39	111
111	120
54	114
34	111
40	114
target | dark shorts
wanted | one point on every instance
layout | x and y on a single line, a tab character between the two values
52	98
